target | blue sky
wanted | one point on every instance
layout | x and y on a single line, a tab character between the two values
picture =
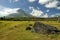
38	8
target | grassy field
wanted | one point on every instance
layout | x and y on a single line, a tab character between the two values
15	30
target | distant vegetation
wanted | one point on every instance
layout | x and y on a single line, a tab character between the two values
30	19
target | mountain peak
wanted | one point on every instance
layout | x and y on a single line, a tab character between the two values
20	13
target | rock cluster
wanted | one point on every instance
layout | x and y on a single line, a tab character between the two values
29	27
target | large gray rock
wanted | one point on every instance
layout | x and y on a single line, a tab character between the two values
44	29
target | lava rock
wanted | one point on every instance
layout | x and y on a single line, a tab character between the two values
30	24
28	28
44	29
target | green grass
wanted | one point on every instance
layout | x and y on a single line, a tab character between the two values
8	31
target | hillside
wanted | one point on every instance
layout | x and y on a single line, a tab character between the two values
18	15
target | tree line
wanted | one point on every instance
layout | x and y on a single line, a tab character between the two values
30	19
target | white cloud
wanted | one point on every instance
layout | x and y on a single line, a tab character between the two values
49	3
31	8
45	15
38	8
6	11
35	12
38	13
13	1
16	0
52	16
31	0
58	8
52	4
44	1
48	10
55	15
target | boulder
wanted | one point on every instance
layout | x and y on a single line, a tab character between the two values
30	24
28	28
44	29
